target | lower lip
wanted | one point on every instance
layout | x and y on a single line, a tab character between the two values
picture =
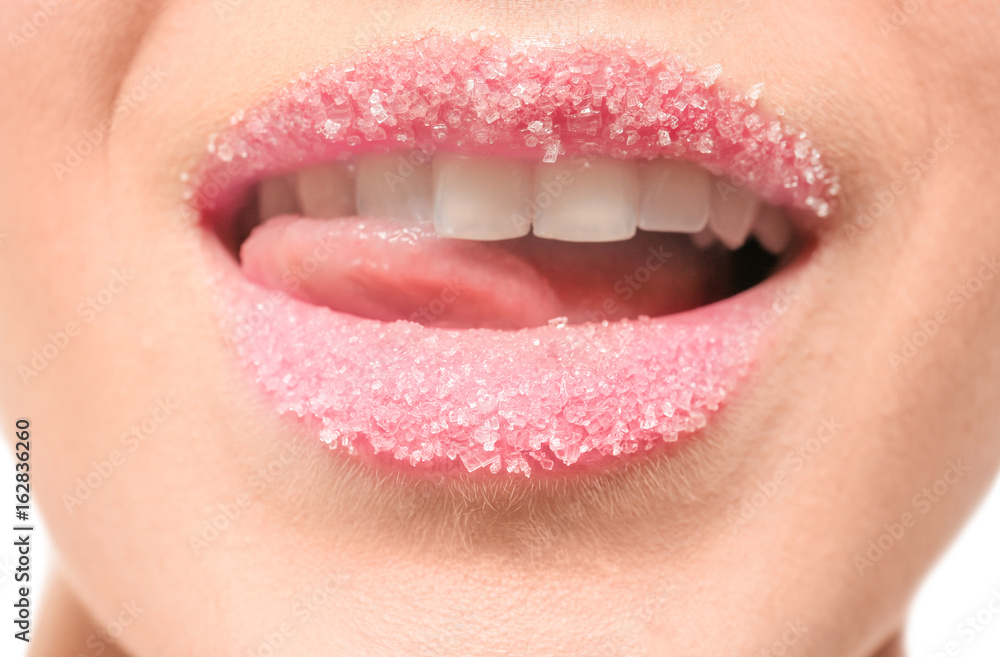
539	401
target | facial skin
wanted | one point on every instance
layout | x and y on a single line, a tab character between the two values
321	556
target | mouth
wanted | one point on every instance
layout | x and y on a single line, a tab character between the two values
472	255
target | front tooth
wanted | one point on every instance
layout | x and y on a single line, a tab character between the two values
396	185
276	197
675	196
481	198
705	239
325	191
595	200
773	230
732	213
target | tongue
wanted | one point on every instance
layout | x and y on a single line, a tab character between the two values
389	270
386	269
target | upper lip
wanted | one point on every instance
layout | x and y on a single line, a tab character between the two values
479	98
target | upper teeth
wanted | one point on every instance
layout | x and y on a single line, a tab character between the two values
480	198
326	191
675	197
577	199
732	214
383	190
591	201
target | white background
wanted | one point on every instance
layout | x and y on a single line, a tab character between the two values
961	585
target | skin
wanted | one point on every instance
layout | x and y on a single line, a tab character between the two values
655	558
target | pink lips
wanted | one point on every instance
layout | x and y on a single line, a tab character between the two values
519	401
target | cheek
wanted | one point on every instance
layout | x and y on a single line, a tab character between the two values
53	201
927	373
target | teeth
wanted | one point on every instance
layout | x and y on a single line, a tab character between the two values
732	213
326	192
396	185
577	199
704	239
481	198
773	230
595	202
675	196
276	197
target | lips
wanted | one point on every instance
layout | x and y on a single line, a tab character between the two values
478	256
